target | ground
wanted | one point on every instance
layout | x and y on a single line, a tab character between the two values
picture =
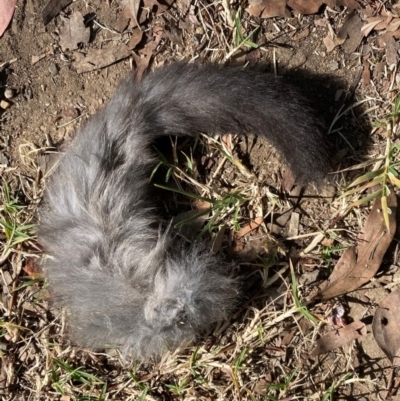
267	349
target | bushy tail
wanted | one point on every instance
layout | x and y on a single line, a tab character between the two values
185	99
125	283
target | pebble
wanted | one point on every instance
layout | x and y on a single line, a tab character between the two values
54	69
4	104
9	93
333	65
28	94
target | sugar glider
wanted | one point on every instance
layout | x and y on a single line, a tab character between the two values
126	283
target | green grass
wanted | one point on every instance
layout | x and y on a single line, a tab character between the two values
298	305
385	175
64	375
15	230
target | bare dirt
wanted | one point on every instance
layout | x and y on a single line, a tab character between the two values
259	354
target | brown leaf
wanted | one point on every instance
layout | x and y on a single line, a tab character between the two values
382	22
268	8
373	241
367	28
280	221
173	33
350	4
386	327
331	42
73	32
351	33
301	35
36	59
305	6
6	12
261	387
142	63
392	51
339	337
293	228
135	39
183	6
133	7
253	57
218	240
100	58
52	9
384	39
250	227
394	25
327	242
31	269
202	205
366	74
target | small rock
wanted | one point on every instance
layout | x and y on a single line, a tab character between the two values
9	93
28	94
54	69
333	65
4	104
3	162
199	30
71	112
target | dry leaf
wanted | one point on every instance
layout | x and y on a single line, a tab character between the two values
36	59
189	20
183	6
373	241
394	25
218	240
332	42
366	74
339	337
392	51
268	8
385	24
173	33
305	6
293	228
74	32
351	33
142	61
135	39
6	12
53	8
301	35
386	327
384	39
31	269
366	29
253	57
261	387
202	205
280	220
133	7
100	58
349	4
250	227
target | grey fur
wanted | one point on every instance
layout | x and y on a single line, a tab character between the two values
125	283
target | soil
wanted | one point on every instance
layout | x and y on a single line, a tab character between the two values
50	100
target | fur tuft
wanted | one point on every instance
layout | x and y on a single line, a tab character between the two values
125	284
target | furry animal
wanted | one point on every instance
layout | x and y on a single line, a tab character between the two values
126	283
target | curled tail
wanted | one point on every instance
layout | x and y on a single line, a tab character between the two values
126	284
185	99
